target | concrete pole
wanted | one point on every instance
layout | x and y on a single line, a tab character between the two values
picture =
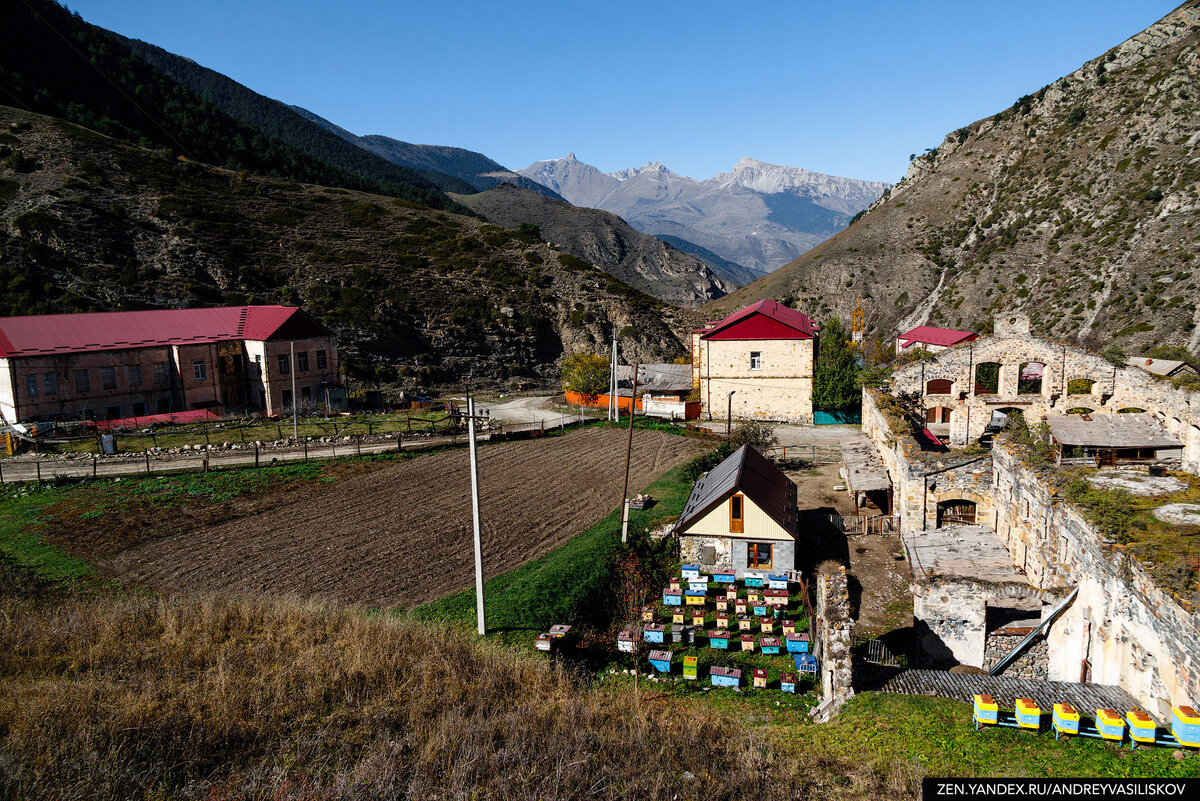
292	367
479	611
628	452
729	415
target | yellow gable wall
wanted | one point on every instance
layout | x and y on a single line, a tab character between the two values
756	524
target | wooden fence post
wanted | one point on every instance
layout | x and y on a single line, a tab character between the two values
256	454
38	465
358	444
147	462
306	449
399	441
93	465
1	472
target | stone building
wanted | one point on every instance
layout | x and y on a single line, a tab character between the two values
119	365
740	516
756	363
932	339
961	386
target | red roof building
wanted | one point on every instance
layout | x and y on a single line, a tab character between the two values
756	363
932	339
137	364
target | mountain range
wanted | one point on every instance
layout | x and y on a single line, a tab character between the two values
757	215
1077	204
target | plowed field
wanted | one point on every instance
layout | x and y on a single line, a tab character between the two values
401	534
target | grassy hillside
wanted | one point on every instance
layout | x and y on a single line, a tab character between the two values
1077	204
415	295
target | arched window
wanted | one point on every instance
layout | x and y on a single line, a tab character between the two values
938	414
1130	410
1029	380
1080	410
1080	386
956	512
987	378
939	386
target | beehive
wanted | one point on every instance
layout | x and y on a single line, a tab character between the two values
625	642
776	596
805	663
722	620
690	664
690	571
699	584
778	610
789	626
560	631
678	616
654	633
694	598
731	593
769	645
766	623
777	581
748	642
986	710
724	677
740	606
724	578
544	642
661	660
1142	728
797	643
697	618
760	678
718	638
753	597
647	614
1185	725
672	598
676	583
722	604
787	682
681	634
754	580
745	622
1065	719
1027	714
760	610
1110	724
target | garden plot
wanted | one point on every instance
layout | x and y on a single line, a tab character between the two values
400	535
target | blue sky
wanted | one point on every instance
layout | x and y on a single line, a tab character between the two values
843	88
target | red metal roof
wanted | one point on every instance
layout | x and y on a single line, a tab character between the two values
763	320
929	335
80	333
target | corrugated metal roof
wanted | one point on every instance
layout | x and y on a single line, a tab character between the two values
1165	367
46	334
931	335
749	472
1112	431
766	319
660	377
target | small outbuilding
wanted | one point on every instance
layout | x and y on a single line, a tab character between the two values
932	339
741	516
1167	368
1109	439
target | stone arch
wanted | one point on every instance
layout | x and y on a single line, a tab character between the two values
1031	378
1080	410
1081	386
939	414
939	386
957	508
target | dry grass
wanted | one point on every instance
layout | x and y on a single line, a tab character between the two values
223	699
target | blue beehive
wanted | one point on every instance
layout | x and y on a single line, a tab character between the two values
1185	725
760	610
754	581
769	645
718	638
672	597
805	663
1027	713
1110	725
724	677
986	710
1142	728
661	660
1065	719
722	577
654	633
797	643
690	571
777	581
787	682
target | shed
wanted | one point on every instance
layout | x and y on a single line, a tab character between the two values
741	516
1108	439
1167	368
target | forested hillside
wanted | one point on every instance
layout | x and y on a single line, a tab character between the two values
54	63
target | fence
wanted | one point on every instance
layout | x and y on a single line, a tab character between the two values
864	524
812	454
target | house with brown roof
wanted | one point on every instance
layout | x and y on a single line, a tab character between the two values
1167	368
932	339
1109	439
741	516
133	364
756	363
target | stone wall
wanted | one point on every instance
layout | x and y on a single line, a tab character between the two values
780	389
1113	388
1121	629
950	616
691	551
1033	663
833	627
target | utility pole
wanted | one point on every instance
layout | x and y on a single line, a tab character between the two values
292	368
479	611
628	452
729	415
614	406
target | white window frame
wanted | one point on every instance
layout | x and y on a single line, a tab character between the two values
756	360
199	370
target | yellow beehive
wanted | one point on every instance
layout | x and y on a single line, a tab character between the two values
1110	724
1027	713
1185	725
677	616
1142	728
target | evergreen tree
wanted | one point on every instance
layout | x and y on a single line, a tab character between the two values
835	383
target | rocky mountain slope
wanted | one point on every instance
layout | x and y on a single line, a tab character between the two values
758	215
476	169
1077	204
606	241
416	295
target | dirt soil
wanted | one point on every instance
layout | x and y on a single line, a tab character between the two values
400	535
879	596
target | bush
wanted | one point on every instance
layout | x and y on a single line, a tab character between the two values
1076	116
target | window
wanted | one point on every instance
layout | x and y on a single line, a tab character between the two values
198	370
31	386
305	393
758	554
82	382
139	409
302	361
162	406
735	514
284	366
321	360
108	377
162	375
135	375
286	397
49	384
755	360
